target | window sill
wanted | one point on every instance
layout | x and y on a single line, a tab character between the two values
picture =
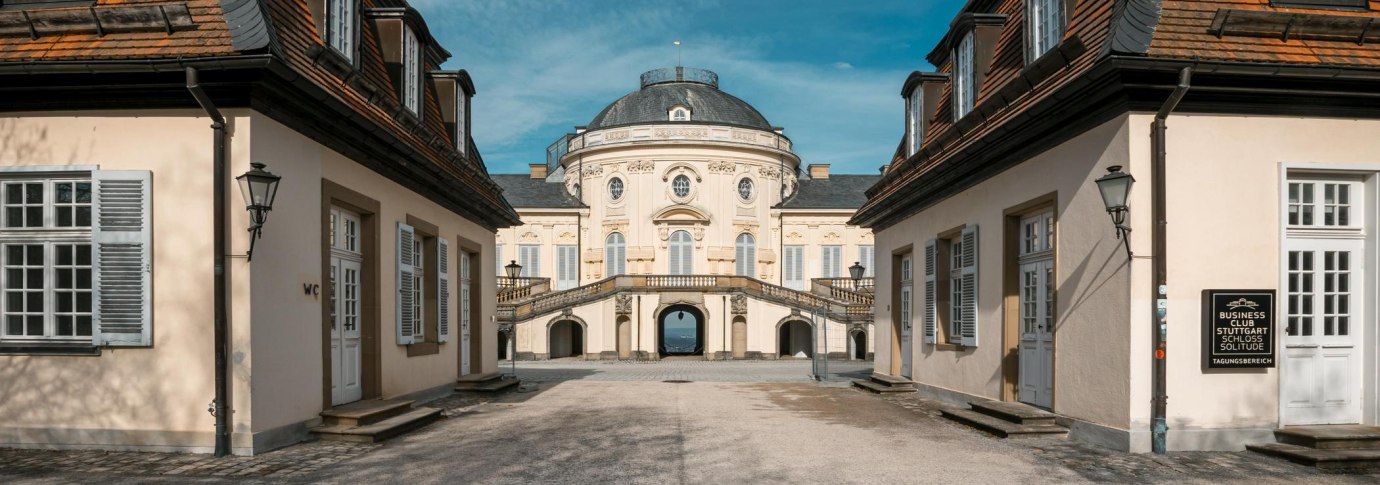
424	348
59	349
947	347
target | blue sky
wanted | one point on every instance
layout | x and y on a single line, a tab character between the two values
830	72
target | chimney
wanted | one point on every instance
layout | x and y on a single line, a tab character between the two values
819	171
538	170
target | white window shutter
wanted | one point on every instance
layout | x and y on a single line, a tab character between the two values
928	312
442	290
122	258
969	322
406	333
498	261
465	279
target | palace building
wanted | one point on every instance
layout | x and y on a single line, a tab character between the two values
131	302
679	221
1233	144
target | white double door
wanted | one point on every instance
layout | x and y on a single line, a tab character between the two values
346	367
1324	321
907	317
1036	377
465	313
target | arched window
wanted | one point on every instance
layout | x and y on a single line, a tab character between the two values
745	256
615	255
681	257
615	189
680	114
681	186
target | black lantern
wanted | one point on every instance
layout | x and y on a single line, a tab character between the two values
856	271
514	270
1116	188
258	187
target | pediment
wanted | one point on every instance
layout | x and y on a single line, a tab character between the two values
681	213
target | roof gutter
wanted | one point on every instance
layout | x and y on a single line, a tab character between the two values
136	65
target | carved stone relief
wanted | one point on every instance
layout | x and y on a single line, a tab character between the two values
738	304
722	167
622	304
641	166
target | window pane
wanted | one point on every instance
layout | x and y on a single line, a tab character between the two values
33	216
33	193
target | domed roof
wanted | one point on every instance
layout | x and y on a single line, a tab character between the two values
662	89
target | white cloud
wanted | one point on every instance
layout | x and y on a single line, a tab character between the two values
842	65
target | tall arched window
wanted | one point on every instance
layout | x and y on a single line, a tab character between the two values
615	255
745	256
681	257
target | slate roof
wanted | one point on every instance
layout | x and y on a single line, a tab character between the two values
209	37
707	105
835	192
523	191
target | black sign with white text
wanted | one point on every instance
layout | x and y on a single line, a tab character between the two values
1238	329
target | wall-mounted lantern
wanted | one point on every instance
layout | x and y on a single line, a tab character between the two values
1115	187
259	187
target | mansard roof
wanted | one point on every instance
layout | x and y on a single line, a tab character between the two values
839	191
263	54
525	192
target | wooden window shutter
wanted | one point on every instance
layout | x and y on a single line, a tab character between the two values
122	259
442	290
928	312
969	322
406	333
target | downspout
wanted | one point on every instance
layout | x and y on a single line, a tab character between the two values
1159	260
221	321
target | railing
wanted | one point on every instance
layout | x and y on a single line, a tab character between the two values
685	130
855	307
844	289
515	289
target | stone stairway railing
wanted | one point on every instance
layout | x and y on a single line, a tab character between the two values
515	289
852	307
844	289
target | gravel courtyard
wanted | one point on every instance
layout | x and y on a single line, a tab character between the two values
591	422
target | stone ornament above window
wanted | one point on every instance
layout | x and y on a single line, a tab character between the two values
682	182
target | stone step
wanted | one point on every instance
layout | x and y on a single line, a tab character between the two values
1015	412
382	430
879	388
480	377
1323	459
1003	428
892	381
492	385
1331	437
361	413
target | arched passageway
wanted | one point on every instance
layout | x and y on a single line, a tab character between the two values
857	341
503	345
567	339
795	340
680	331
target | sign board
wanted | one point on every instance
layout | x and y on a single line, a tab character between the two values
1238	329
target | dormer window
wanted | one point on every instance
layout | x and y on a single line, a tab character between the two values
680	114
965	80
462	108
340	27
913	118
1044	27
412	72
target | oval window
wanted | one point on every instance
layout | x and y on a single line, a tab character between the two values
616	189
745	189
681	186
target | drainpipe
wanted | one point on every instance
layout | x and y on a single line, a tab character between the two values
1160	261
221	322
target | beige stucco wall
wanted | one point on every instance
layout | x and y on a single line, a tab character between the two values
287	334
1091	271
149	398
156	398
1224	214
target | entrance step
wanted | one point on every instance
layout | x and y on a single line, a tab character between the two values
1323	459
882	383
373	420
1007	419
1330	447
491	382
1014	412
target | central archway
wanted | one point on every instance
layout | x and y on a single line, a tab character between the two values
567	339
795	339
680	331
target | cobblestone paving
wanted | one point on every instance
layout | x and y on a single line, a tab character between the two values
1102	465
